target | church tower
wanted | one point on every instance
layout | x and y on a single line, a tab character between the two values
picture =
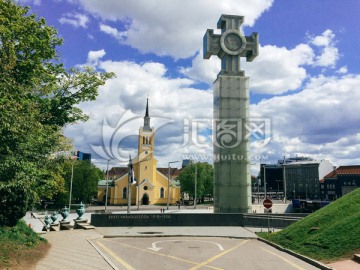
146	167
146	137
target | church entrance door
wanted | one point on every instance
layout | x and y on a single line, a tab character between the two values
145	199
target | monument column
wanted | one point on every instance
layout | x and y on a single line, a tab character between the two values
232	176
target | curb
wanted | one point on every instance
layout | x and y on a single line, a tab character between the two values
101	253
297	255
172	235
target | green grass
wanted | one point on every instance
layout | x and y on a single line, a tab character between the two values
329	234
20	245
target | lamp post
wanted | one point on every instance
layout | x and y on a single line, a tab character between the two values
71	183
195	197
168	200
72	178
107	184
258	188
277	193
129	185
265	194
284	184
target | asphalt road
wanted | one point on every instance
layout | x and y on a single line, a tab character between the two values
157	253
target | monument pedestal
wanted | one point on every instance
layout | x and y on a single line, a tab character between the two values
232	176
80	223
65	225
55	227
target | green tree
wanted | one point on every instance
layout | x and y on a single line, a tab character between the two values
38	96
205	181
85	180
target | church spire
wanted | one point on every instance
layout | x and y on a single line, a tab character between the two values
147	108
147	118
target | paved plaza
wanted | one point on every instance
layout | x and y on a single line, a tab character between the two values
106	247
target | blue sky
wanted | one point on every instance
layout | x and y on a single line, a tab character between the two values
304	84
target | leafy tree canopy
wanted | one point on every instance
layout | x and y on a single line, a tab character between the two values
205	182
85	182
38	97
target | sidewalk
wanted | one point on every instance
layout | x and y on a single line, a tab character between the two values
74	250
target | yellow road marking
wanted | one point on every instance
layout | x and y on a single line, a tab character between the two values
125	264
284	259
204	263
162	254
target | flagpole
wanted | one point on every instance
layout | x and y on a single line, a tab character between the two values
129	186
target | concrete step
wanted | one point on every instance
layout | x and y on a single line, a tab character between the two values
66	227
356	258
87	227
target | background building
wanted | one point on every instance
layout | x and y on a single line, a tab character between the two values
339	182
83	156
302	178
297	177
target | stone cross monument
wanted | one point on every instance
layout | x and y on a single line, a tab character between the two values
232	177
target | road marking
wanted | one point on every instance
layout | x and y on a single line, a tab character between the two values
162	254
284	259
154	248
121	261
204	263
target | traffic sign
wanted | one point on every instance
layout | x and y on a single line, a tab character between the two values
267	203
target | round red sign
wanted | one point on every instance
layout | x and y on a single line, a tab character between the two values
267	203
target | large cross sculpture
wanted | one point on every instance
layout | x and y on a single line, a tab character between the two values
230	45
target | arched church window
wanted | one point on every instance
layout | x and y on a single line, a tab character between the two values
124	193
162	193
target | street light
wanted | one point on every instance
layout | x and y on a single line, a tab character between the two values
265	194
195	197
306	186
284	184
71	183
72	178
168	200
277	193
107	184
129	184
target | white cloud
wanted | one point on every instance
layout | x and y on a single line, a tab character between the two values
279	70
169	27
94	57
75	19
329	54
169	98
112	31
325	40
342	70
276	70
318	121
35	2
